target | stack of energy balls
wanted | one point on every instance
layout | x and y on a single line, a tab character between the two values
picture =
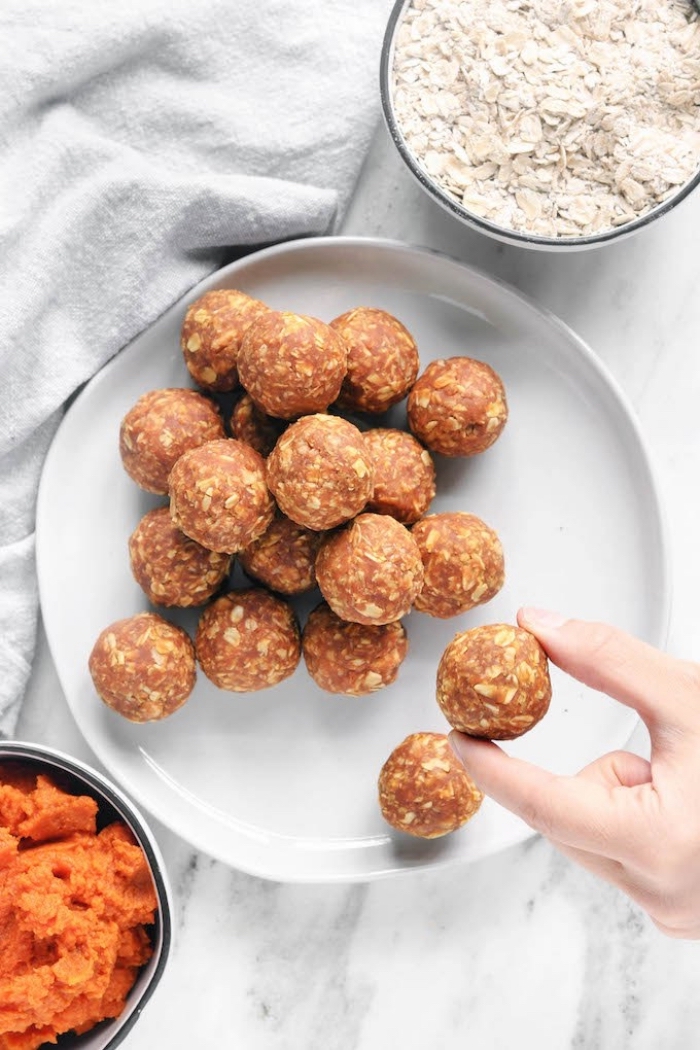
303	497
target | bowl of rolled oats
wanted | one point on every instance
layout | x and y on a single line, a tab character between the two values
547	123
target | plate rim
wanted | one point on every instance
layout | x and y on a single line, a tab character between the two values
221	276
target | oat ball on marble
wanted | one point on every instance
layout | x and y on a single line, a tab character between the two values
161	427
143	667
404	475
423	788
170	568
211	336
292	364
254	427
284	557
320	471
493	681
457	406
219	496
462	563
248	640
382	360
371	571
351	658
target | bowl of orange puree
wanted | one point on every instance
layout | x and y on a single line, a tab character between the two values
85	907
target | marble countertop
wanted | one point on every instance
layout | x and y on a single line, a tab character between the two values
521	948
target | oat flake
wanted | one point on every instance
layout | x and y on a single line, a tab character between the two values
560	119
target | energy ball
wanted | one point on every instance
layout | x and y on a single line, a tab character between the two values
248	640
219	497
211	336
143	667
253	427
320	472
382	360
371	571
292	364
424	789
462	563
351	658
494	682
171	568
404	475
161	427
457	406
284	557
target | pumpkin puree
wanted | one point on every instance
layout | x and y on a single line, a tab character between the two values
74	904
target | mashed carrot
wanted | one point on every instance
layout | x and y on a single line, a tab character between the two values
74	904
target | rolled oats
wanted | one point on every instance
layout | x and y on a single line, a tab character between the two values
550	118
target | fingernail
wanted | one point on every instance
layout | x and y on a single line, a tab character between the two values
541	618
455	739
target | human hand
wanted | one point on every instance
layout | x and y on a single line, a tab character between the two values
631	821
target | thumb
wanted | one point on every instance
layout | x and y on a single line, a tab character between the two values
572	810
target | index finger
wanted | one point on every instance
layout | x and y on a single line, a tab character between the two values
663	690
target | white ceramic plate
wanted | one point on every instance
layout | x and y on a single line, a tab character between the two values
283	783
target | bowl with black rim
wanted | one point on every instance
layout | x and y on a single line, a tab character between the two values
470	218
77	778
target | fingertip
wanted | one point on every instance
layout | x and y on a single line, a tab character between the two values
469	750
534	619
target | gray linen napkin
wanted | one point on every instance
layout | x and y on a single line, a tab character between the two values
140	140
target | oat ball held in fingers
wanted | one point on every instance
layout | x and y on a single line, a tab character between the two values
371	571
161	427
382	360
462	563
320	471
457	406
219	496
143	667
423	788
493	682
254	427
284	557
291	364
170	568
248	640
404	475
351	658
211	336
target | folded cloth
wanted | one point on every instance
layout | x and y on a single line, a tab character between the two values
141	141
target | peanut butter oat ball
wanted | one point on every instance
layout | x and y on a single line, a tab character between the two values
143	667
211	336
255	428
171	568
382	360
284	557
457	406
219	497
291	364
424	789
462	563
320	471
371	571
351	658
161	426
493	682
404	475
248	640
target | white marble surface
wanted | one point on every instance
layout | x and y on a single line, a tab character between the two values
522	948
